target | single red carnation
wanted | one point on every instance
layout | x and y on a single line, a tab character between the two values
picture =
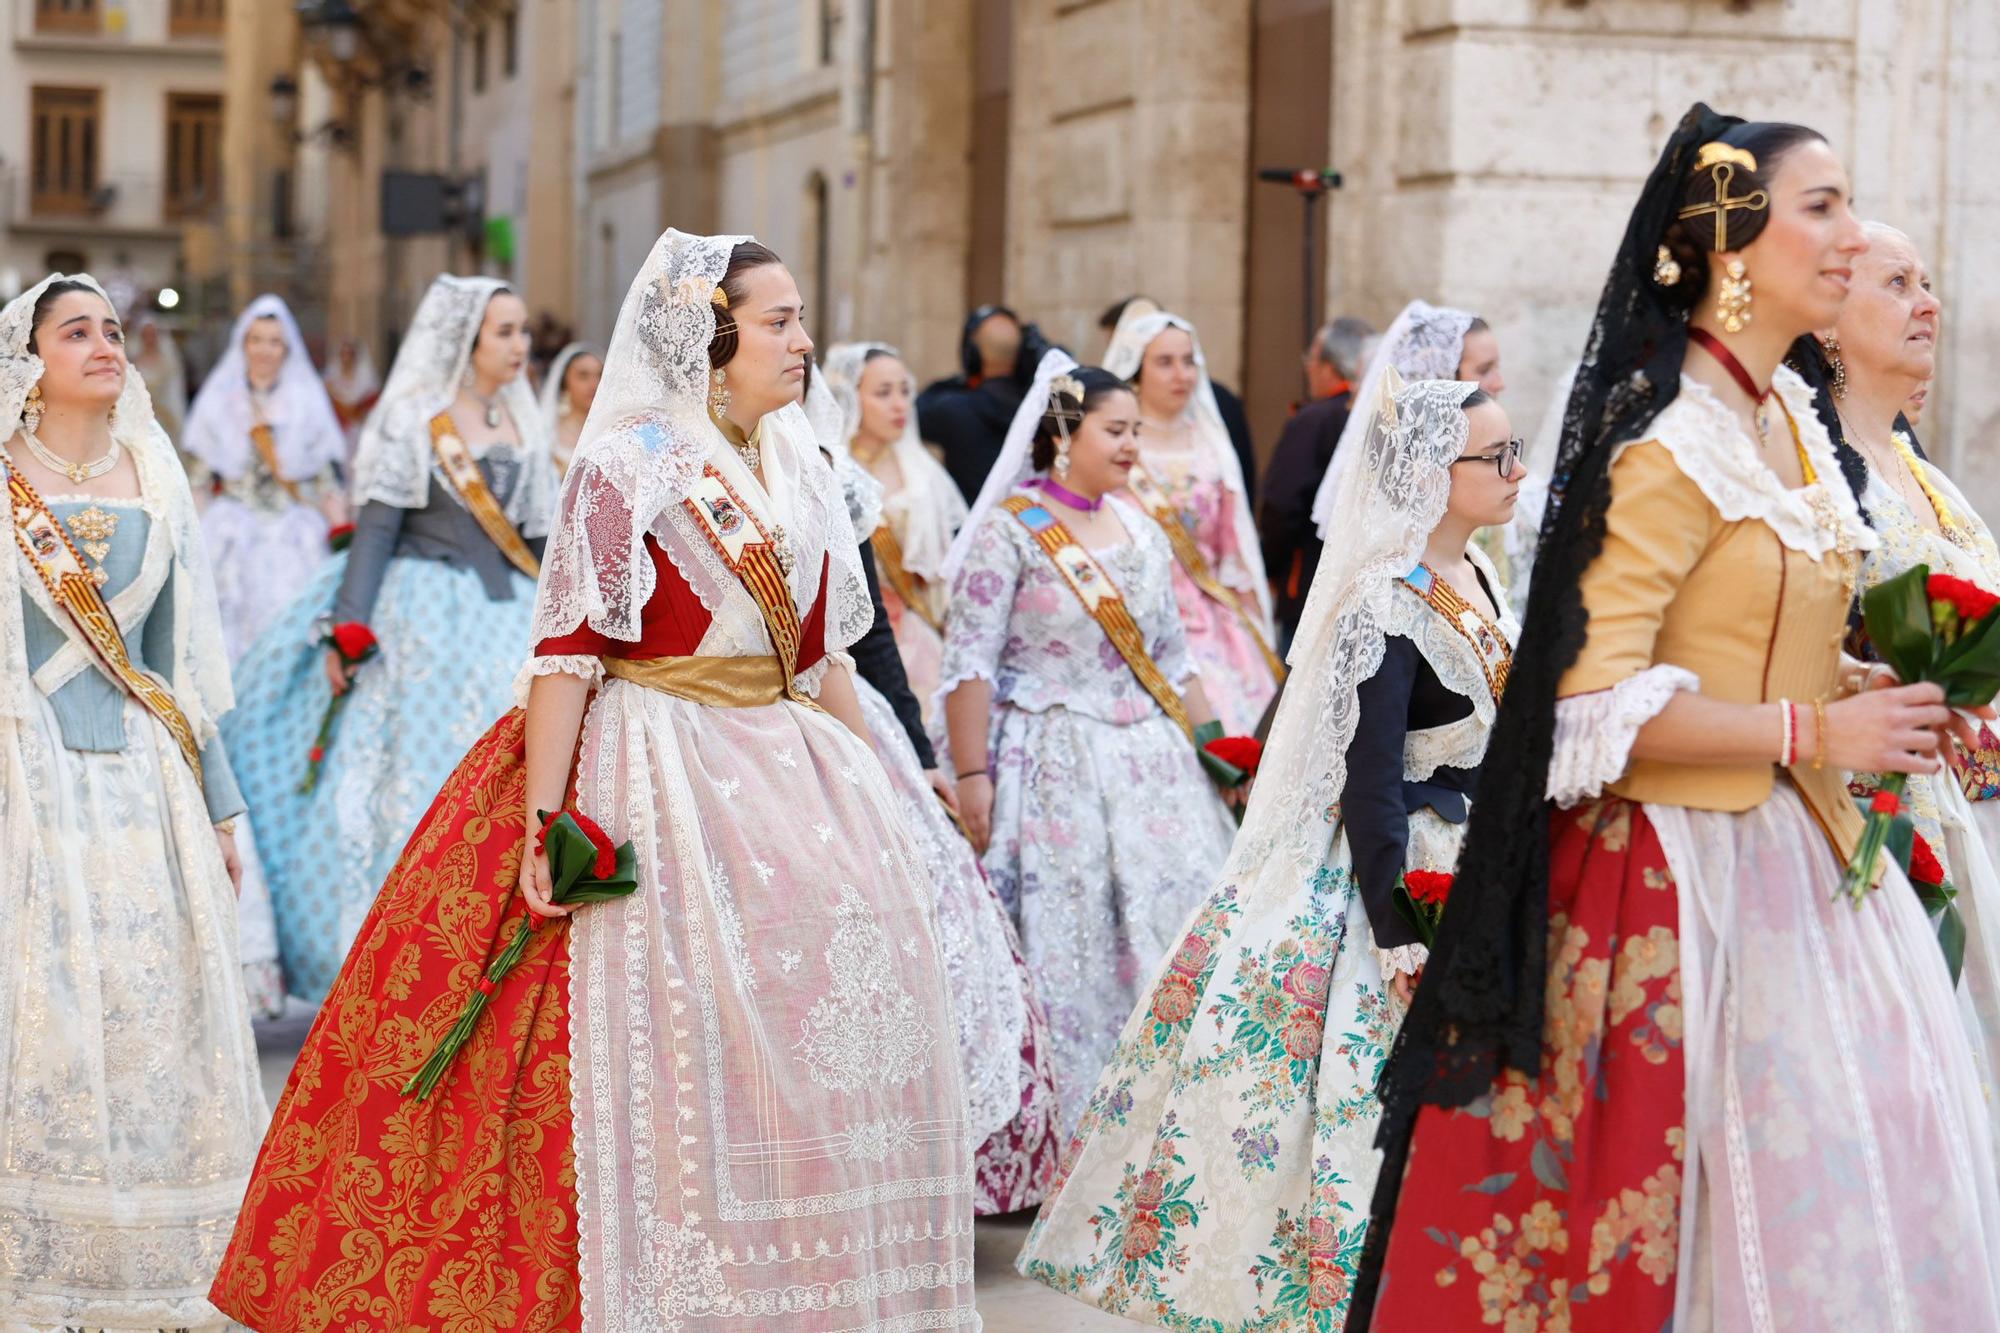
318	753
353	640
340	532
1885	803
1428	886
607	851
1244	752
1924	867
1966	597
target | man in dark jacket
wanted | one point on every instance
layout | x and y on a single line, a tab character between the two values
966	416
1304	451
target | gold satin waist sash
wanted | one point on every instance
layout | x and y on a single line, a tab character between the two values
715	682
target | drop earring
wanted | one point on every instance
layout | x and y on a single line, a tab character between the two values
718	393
1836	366
31	410
1732	301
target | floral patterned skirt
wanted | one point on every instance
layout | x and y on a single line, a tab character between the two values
1554	1203
1220	1176
1757	1106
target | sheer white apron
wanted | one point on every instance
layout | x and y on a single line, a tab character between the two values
130	1105
769	1116
1840	1169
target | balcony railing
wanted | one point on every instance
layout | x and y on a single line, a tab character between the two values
121	201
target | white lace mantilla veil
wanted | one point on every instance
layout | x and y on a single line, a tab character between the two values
199	672
1137	328
643	445
1016	462
551	395
929	491
1390	491
306	431
1426	342
394	463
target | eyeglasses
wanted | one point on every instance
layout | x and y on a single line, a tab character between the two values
1509	455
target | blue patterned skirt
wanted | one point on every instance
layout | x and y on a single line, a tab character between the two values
443	673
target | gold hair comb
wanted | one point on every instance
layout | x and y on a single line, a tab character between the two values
1721	160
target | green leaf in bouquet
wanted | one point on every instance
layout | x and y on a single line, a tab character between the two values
1897	616
1220	771
1901	843
1406	907
1951	939
1976	643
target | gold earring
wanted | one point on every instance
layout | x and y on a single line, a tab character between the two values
1062	449
1666	269
718	393
1834	364
31	410
1732	302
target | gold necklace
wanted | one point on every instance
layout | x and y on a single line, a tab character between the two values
76	472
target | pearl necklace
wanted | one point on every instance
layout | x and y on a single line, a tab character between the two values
76	472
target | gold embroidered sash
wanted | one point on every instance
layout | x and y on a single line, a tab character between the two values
1100	597
457	464
267	449
1489	645
716	682
889	559
60	568
759	559
1153	498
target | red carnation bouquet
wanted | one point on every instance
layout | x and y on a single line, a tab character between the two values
355	643
340	536
1420	896
1229	761
1926	627
584	867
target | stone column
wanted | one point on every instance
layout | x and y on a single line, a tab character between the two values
1129	166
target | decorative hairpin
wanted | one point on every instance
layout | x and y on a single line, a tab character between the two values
1721	160
717	297
1065	384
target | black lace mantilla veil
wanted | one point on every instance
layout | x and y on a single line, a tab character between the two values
1479	1010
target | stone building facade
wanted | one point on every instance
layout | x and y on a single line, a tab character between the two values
914	159
111	119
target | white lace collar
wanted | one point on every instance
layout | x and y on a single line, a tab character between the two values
1709	444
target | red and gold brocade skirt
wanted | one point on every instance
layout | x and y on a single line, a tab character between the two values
371	1211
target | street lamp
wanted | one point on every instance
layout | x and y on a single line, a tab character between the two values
337	21
284	99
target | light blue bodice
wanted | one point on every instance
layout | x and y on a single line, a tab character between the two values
89	708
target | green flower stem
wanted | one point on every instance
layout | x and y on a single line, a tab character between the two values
426	1079
324	739
1860	876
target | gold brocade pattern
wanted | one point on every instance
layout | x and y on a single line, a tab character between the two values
456	1213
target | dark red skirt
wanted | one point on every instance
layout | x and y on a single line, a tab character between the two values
1554	1202
371	1211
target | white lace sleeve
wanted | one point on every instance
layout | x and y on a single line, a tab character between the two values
1594	732
1402	958
590	668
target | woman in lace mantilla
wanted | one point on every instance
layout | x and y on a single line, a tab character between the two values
729	1101
264	450
1659	1071
922	509
1885	344
444	581
129	1097
566	398
1237	1115
1197	479
1094	818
